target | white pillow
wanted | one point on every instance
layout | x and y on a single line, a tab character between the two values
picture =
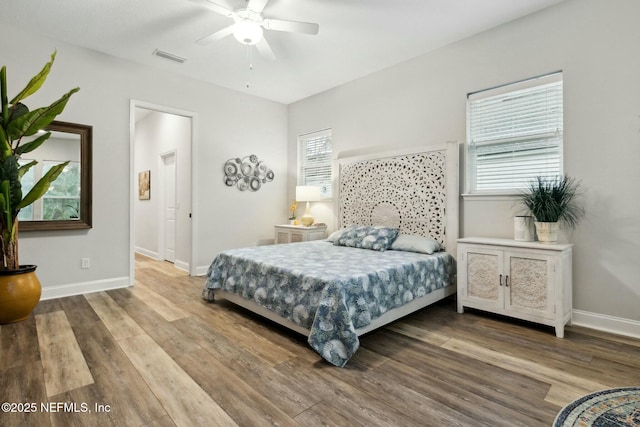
335	235
411	243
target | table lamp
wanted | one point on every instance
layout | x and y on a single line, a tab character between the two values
307	193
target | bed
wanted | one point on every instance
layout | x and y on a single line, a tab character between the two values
397	219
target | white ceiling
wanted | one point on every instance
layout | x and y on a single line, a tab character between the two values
356	38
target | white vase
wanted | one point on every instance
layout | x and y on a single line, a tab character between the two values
523	230
547	232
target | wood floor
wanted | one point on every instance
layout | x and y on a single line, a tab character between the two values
158	355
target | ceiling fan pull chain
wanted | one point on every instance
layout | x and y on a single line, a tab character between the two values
250	61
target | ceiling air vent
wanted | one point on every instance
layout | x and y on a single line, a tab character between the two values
169	56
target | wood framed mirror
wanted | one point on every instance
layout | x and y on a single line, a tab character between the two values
67	204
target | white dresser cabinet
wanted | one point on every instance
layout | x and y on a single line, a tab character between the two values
525	280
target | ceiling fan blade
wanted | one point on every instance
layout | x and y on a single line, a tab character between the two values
291	26
265	50
216	36
257	6
215	7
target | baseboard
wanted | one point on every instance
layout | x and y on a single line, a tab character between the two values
603	322
61	291
181	265
202	270
146	252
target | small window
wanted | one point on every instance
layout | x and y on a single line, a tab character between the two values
315	161
514	134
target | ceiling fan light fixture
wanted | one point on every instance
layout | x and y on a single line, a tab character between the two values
247	32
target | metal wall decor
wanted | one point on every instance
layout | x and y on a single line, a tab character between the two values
247	173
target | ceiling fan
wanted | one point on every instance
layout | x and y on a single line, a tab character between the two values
249	23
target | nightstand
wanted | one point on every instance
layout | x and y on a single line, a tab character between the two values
299	233
524	280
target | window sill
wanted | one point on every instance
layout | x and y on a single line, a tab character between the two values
491	197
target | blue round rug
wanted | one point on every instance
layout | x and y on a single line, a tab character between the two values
617	407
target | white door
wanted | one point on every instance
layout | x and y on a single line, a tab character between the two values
169	208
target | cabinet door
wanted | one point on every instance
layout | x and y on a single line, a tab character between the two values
282	236
482	274
529	287
297	237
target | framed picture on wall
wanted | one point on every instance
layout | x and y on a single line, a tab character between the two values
144	185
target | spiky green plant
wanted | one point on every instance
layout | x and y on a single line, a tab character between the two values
18	122
554	200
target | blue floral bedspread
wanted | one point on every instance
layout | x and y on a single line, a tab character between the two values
330	290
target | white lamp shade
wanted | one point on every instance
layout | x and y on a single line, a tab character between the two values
307	193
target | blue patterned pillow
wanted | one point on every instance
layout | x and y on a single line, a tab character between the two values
367	237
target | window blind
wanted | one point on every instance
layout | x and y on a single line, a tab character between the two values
515	133
315	161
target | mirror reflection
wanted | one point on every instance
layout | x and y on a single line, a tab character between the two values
67	203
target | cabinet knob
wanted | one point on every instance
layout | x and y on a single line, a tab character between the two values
501	280
506	280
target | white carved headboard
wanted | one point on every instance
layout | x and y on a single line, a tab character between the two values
414	191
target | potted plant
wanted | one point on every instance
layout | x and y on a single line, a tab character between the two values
292	212
19	134
552	201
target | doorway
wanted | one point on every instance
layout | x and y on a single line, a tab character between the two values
162	146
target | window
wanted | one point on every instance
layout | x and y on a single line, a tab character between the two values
315	161
514	133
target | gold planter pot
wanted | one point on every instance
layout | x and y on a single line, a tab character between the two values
20	292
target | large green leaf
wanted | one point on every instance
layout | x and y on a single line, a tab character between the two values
36	82
3	203
30	146
17	110
40	118
10	171
5	146
3	97
5	206
42	185
24	168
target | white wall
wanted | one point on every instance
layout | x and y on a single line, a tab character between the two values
595	43
229	124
